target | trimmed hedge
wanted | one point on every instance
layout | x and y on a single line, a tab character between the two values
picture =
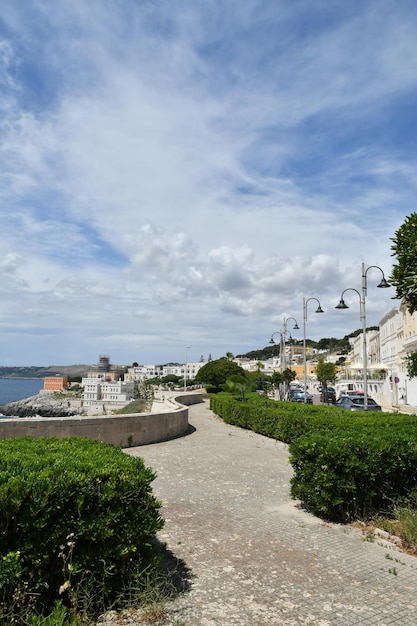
348	475
347	465
74	500
284	420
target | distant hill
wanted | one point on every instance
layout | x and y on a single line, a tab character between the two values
327	344
34	371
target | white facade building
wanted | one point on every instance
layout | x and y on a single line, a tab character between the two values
388	380
145	372
98	390
253	365
407	388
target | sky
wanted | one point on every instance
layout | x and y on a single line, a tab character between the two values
176	177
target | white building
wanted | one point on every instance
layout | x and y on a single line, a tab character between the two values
117	391
407	388
387	349
145	372
98	390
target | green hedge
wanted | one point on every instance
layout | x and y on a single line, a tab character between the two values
347	465
72	502
280	420
346	475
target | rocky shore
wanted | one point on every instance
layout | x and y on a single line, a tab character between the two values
43	404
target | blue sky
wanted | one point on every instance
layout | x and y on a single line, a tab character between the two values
183	173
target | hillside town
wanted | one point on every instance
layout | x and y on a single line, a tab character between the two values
388	381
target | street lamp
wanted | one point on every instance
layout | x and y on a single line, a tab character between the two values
295	327
282	357
185	367
282	334
362	303
318	310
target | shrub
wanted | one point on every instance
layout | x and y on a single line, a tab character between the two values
347	474
71	508
279	420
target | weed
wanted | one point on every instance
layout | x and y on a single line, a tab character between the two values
59	617
143	590
402	524
407	524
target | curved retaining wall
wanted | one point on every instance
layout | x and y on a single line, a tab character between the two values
136	429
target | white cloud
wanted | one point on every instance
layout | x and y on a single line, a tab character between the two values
10	262
188	176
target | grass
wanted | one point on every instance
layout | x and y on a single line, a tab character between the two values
136	406
403	524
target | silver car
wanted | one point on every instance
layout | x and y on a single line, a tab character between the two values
298	396
356	403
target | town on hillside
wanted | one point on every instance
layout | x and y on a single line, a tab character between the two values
385	373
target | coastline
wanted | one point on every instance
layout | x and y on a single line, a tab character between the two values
43	404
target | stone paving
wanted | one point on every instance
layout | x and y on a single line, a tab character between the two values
255	557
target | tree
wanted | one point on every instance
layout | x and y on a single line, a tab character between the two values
239	385
217	372
404	272
74	379
282	380
259	379
143	391
411	364
326	373
154	381
276	378
171	378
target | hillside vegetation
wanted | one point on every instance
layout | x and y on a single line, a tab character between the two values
34	371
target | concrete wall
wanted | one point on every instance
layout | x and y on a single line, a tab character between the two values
121	430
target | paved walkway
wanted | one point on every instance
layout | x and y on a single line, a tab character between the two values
255	557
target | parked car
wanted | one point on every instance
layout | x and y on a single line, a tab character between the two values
331	395
298	396
356	403
350	394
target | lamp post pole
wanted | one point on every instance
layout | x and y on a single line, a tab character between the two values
281	341
362	300
362	315
318	310
282	357
382	285
295	327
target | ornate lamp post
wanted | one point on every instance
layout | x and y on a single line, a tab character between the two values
362	303
318	310
295	327
283	333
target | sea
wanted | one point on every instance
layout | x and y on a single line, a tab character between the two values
18	388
